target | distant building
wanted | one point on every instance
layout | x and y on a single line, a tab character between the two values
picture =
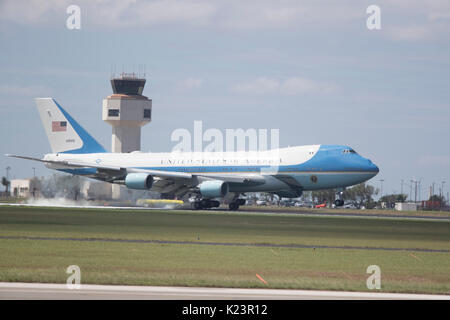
25	188
431	205
406	206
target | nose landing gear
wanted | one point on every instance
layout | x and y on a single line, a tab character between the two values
339	202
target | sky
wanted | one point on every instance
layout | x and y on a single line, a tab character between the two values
312	69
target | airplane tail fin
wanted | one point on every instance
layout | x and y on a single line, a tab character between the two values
64	133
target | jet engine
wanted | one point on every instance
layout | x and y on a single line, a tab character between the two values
140	181
213	189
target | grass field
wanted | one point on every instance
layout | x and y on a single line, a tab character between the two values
197	263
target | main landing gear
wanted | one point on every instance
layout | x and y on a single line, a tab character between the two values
235	204
198	203
205	204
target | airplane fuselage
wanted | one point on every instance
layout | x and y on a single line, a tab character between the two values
311	167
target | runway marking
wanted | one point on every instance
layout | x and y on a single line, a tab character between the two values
17	290
415	257
260	278
235	244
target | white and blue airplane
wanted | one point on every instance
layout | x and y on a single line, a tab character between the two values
202	176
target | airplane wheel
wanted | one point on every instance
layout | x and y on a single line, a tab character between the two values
339	203
197	205
207	203
215	204
233	206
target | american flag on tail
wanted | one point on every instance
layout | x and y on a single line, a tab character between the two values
59	126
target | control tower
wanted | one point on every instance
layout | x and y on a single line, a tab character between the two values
126	110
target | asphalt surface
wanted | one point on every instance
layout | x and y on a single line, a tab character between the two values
242	209
44	291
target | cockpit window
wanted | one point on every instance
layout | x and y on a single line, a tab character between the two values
348	151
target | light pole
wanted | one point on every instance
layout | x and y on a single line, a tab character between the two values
420	189
381	188
7	172
442	197
415	191
34	172
410	189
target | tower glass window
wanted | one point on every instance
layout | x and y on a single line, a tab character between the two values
147	113
113	112
126	85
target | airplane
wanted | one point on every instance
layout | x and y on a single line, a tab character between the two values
201	177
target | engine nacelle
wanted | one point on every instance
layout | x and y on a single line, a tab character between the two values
213	189
140	181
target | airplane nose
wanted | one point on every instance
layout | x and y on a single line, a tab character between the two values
372	167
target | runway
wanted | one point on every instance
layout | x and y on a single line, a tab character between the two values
44	291
241	211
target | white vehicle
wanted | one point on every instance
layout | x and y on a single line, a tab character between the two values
261	202
286	172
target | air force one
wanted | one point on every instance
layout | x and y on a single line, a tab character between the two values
203	177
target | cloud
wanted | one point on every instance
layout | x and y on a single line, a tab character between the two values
31	11
439	16
430	17
409	33
190	83
109	13
33	90
298	85
434	160
250	14
265	14
258	86
290	86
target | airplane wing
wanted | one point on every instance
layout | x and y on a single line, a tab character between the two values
165	181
